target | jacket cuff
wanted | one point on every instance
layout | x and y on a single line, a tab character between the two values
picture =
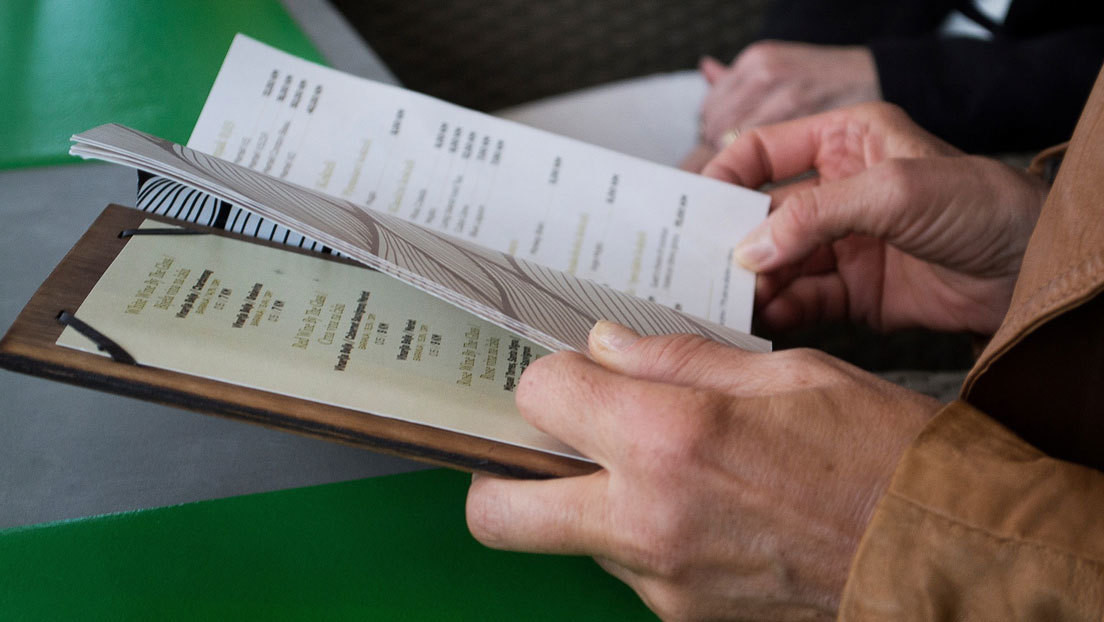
979	524
1045	163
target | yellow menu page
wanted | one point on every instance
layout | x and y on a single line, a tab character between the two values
311	328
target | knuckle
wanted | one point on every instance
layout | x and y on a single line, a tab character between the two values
484	521
785	362
678	430
531	383
802	368
896	176
542	367
675	352
748	57
658	541
806	356
792	99
663	538
882	112
765	76
760	51
890	119
802	213
894	171
544	374
761	59
663	603
670	602
702	413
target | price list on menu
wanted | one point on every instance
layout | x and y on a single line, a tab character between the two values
645	229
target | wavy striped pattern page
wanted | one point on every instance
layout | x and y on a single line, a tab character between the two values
552	308
165	197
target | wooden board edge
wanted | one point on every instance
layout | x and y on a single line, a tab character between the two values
29	347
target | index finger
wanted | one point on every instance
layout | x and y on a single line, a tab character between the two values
770	153
564	516
596	410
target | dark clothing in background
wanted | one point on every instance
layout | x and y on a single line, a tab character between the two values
1021	90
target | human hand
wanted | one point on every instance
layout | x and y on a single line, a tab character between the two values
698	157
896	229
772	81
735	484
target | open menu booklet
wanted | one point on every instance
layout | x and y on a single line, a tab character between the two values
521	239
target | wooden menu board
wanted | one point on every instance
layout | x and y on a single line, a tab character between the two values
30	347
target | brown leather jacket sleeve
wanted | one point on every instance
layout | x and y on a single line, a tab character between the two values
979	525
997	510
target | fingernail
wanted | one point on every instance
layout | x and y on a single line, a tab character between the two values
613	336
755	251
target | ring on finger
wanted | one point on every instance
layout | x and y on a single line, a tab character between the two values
729	136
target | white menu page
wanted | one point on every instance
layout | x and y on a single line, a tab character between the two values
642	228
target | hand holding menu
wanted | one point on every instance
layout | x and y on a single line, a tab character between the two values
537	236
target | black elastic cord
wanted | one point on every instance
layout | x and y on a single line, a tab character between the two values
102	342
126	233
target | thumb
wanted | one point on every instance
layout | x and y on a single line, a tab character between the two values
687	360
712	69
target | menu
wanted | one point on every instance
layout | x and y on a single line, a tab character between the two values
641	228
311	328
